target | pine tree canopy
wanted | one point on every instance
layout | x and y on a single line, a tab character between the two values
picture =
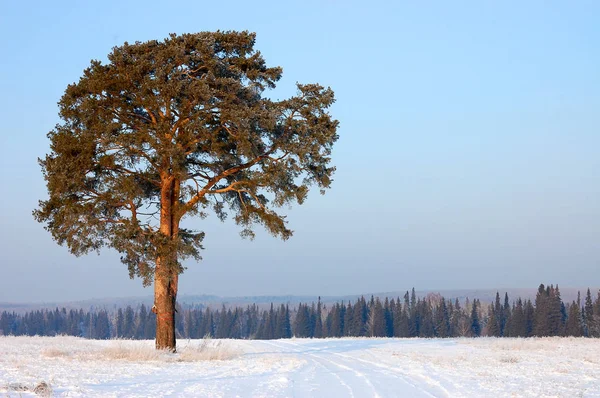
176	128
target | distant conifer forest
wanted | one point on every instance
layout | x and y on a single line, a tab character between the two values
408	316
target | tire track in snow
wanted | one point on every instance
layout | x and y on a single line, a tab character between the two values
402	374
302	350
316	362
359	374
390	371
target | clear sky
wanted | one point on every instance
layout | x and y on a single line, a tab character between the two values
469	151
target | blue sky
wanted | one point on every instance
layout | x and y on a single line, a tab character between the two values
468	153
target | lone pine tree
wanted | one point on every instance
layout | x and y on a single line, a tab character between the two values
176	128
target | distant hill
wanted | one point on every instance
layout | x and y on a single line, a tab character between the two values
484	295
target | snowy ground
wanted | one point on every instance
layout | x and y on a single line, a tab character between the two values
486	367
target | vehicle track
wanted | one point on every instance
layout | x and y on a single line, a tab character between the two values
400	372
318	363
374	380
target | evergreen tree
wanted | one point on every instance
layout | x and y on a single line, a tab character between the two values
442	320
413	315
312	320
271	323
529	318
252	321
5	323
590	327
359	318
59	317
80	316
128	325
492	324
518	323
287	327
342	318
573	326
555	312
262	333
457	320
506	316
348	319
319	320
336	327
235	324
425	318
302	322
207	327
120	324
498	314
596	309
389	317
49	323
141	317
102	326
161	130
222	329
397	309
150	327
541	326
595	326
475	325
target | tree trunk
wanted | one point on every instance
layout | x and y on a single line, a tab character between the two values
165	296
166	276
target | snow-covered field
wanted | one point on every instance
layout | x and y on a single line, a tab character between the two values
485	367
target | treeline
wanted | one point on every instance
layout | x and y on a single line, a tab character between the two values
409	316
95	324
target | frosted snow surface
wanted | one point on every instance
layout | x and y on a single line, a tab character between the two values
485	367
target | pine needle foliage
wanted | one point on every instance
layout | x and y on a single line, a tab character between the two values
180	128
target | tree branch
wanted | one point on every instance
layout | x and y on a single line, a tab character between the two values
151	116
213	181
